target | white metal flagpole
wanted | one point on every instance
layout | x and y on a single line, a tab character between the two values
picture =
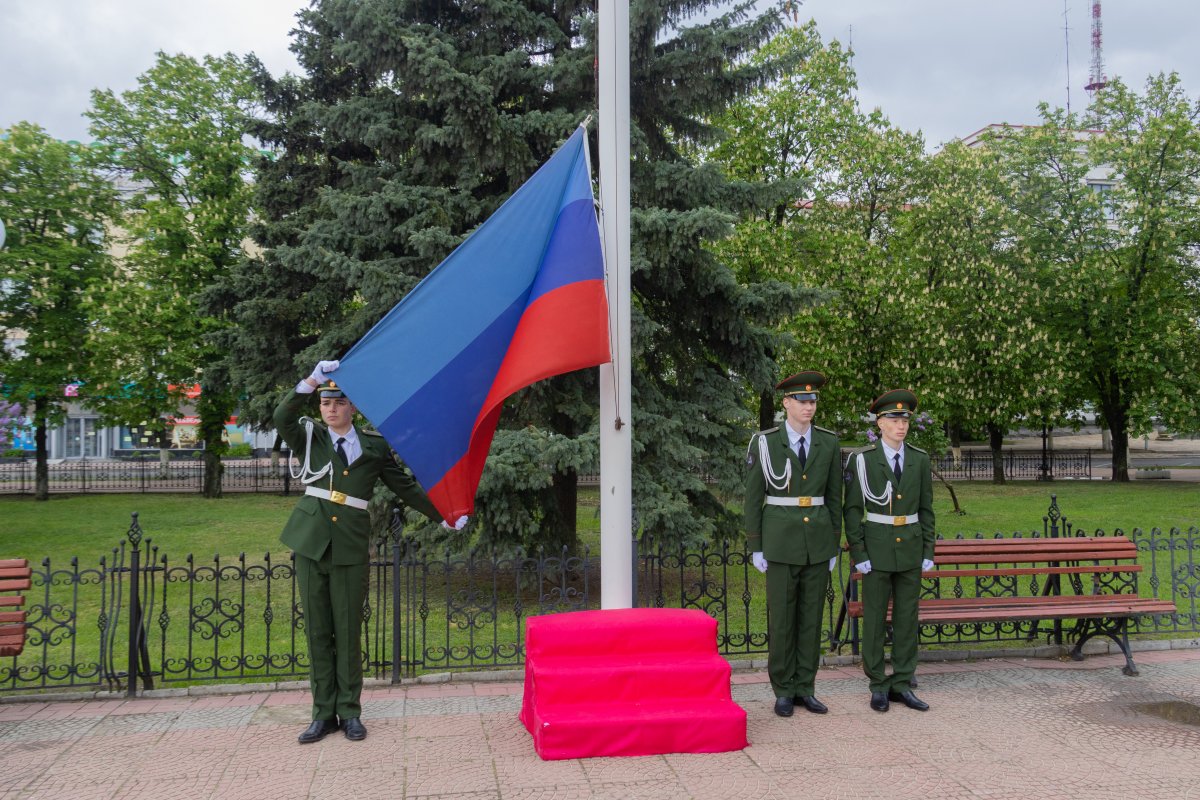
616	430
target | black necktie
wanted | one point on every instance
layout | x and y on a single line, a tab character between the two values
896	467
341	451
801	452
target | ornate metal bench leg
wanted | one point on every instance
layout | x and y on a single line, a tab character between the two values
1130	668
1082	635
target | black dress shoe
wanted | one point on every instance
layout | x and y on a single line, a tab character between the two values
812	704
784	706
879	701
909	699
318	730
355	730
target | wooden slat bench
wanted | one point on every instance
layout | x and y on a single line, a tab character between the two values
1092	580
15	576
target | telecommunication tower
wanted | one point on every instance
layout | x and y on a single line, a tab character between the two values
1097	80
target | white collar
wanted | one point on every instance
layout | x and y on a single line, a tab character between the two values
889	453
794	437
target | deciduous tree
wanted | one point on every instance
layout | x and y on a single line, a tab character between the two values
55	206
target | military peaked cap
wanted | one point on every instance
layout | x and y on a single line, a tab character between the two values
895	403
802	385
330	389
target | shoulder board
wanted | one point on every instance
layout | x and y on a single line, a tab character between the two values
918	449
371	433
763	433
306	420
825	430
856	450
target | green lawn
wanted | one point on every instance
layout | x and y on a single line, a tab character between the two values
1088	506
91	525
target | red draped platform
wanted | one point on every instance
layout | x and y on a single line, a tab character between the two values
628	682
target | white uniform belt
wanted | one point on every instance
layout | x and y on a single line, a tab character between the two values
911	519
336	497
802	502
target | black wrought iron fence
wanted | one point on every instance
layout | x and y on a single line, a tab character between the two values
136	616
975	465
145	473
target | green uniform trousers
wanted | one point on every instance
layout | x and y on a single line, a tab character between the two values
332	596
903	589
795	599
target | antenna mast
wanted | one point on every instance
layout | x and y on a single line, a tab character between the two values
1067	45
1098	80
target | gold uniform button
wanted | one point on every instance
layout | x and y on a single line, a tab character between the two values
806	519
898	539
345	472
335	520
803	477
899	497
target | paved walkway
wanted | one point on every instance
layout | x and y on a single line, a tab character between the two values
1003	728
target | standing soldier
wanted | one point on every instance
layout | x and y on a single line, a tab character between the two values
793	518
890	529
330	532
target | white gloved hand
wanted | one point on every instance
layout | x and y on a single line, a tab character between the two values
832	563
321	373
927	565
759	561
864	567
458	525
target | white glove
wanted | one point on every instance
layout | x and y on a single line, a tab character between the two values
323	368
927	565
759	561
864	567
458	525
832	563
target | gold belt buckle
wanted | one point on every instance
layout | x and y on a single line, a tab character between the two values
898	521
804	502
337	497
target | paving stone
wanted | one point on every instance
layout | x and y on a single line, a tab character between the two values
998	729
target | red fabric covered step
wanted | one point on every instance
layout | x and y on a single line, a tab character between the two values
628	682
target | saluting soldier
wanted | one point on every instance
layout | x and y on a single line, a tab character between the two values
890	529
330	532
793	517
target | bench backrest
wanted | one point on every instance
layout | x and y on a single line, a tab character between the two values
15	576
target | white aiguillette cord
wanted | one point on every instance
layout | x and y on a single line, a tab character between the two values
778	482
306	475
884	499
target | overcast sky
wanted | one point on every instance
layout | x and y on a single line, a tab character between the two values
945	67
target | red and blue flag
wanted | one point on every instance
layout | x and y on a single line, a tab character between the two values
521	299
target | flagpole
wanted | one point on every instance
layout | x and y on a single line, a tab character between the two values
616	430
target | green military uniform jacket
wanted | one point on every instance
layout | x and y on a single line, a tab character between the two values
795	534
890	548
315	523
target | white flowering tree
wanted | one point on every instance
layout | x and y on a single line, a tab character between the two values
1119	266
987	359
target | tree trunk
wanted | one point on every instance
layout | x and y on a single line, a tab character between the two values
215	404
766	409
950	488
1118	423
559	528
562	531
41	470
996	445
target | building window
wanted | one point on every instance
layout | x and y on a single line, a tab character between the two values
1107	202
80	438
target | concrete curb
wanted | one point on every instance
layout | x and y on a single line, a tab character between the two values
739	665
